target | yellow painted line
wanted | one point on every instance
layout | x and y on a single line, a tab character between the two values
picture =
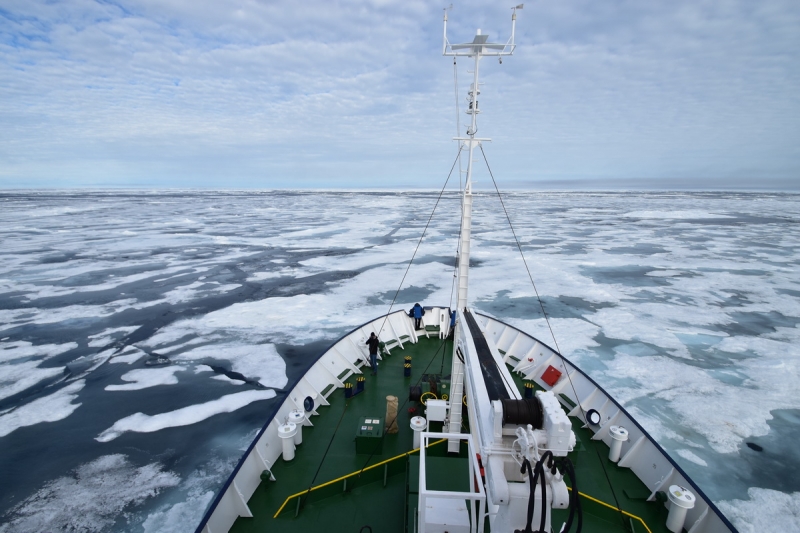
352	474
626	513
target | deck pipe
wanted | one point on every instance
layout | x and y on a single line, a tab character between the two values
407	370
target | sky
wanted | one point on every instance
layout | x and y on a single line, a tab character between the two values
356	94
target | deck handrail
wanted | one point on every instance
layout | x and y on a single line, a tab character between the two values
347	476
416	450
626	513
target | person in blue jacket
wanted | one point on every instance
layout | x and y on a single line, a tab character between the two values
418	311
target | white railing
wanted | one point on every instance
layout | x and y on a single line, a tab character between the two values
439	503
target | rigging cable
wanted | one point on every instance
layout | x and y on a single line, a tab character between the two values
442	344
550	327
336	430
397	292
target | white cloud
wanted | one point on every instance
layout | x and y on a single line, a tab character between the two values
331	94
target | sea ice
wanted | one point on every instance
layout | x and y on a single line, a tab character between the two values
680	282
142	423
573	334
729	414
691	456
197	289
130	355
19	365
109	335
766	510
91	499
189	502
226	379
147	377
174	518
695	214
51	408
257	361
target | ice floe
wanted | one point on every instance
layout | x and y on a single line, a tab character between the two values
260	362
689	455
51	408
197	289
142	423
109	335
129	355
20	364
147	377
222	377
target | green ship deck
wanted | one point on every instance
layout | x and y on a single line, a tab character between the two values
383	495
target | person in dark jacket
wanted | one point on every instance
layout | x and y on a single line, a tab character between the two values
418	312
373	344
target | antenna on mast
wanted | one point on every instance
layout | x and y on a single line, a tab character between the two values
476	49
479	46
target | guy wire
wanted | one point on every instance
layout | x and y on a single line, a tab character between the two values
549	326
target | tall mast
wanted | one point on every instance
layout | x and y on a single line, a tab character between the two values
477	49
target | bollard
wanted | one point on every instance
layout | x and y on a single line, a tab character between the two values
618	435
407	370
682	500
418	425
287	432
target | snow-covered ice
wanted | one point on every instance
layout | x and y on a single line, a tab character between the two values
147	377
50	408
142	423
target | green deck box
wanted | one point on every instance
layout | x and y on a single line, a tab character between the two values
369	435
